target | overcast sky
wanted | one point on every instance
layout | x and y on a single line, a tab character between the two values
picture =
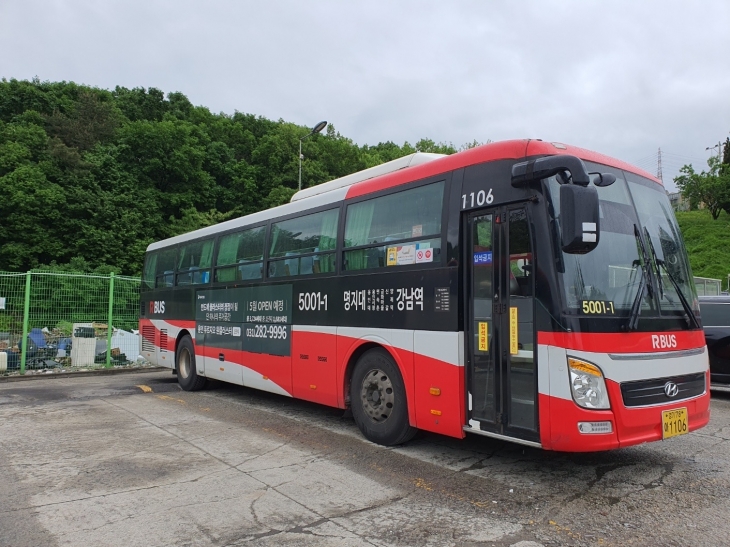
624	78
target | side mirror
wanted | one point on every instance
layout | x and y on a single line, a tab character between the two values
579	218
603	179
525	172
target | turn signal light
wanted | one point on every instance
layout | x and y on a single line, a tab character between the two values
435	391
312	386
436	412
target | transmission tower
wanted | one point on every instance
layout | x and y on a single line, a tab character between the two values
659	166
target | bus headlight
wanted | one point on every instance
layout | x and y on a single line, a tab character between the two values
587	384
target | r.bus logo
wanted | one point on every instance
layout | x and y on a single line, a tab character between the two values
157	306
663	341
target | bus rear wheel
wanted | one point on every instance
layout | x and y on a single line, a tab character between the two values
378	399
187	373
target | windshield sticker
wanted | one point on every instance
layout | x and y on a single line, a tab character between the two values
483	258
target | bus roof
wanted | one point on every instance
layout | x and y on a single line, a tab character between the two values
401	171
410	160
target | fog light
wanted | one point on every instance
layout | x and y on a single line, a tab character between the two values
592	428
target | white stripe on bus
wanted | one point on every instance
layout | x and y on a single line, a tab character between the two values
446	347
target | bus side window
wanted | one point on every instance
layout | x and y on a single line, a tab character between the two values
395	229
194	263
304	245
241	256
165	268
148	274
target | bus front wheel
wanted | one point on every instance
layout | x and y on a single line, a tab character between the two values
378	399
187	374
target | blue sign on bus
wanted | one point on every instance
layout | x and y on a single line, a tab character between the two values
483	258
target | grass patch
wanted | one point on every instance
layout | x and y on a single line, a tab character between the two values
708	243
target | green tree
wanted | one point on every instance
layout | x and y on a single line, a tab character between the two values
92	120
427	145
710	188
89	177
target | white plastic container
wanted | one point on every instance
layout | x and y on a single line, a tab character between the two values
83	349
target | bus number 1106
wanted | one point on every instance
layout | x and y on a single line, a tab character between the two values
479	198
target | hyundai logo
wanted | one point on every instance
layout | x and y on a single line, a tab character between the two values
671	389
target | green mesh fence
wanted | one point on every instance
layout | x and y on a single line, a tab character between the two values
65	320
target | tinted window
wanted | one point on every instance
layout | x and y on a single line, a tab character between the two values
240	255
298	244
165	268
411	215
148	275
194	262
715	315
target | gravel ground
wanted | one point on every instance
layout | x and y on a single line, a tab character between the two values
129	459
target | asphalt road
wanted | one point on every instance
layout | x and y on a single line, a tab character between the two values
131	460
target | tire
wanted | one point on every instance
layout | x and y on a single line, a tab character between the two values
378	398
187	373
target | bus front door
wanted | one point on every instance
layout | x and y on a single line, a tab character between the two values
501	368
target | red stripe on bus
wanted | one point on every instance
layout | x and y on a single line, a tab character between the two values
491	152
624	342
537	148
514	149
275	368
316	372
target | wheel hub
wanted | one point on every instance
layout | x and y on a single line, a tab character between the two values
183	364
377	395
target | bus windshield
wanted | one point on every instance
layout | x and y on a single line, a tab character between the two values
640	249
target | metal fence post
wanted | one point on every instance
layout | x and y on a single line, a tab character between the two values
109	322
26	314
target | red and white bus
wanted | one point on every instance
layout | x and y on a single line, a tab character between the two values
523	290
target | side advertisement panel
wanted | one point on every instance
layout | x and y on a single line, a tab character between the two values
233	323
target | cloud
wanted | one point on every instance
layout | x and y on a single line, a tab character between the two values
624	78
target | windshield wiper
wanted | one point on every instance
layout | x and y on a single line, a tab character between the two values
636	306
685	304
659	280
644	286
659	262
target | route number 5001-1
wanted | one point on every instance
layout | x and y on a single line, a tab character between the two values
312	301
480	198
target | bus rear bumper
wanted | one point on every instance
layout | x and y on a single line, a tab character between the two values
629	426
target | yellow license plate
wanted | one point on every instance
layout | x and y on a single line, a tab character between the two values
674	422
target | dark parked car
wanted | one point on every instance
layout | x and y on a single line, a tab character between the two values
715	311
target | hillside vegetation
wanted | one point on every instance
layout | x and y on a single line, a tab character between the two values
708	243
92	176
89	177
